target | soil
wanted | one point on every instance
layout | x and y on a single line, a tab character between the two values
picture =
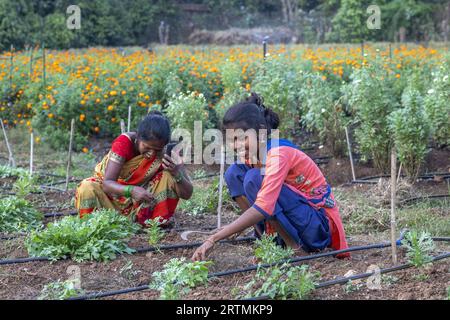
25	281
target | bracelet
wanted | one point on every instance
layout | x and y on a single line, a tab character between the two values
127	191
179	177
211	241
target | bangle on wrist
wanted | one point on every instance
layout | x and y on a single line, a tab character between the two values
210	241
179	177
127	191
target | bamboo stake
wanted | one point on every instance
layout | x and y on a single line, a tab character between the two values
349	146
122	126
31	153
44	67
129	118
399	172
222	169
393	200
69	160
11	67
11	161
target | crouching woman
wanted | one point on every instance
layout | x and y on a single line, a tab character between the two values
136	177
288	195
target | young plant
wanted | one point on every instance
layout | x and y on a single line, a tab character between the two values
178	277
17	215
128	272
25	185
99	236
60	290
283	282
154	231
419	247
268	251
8	172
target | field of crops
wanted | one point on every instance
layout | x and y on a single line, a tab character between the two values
385	96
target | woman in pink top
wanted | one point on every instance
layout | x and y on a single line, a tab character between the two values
288	195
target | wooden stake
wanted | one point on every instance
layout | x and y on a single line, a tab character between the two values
122	126
129	118
11	69
349	146
393	200
31	153
44	69
69	160
399	172
222	170
11	161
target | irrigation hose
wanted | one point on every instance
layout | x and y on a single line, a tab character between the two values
344	280
138	250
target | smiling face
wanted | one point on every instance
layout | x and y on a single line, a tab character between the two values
150	148
245	145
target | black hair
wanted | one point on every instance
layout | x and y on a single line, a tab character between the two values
155	126
252	114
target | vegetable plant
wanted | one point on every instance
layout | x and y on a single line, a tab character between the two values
418	246
17	214
25	185
60	290
282	282
154	231
268	251
178	277
99	236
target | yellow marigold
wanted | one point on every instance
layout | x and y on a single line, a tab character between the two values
82	117
97	129
85	150
82	102
110	108
398	76
37	139
124	92
51	115
113	93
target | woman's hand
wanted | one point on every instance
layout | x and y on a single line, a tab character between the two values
202	252
140	194
173	165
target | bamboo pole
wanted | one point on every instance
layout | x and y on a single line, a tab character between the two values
31	153
349	146
11	67
44	67
393	200
122	126
11	161
129	118
221	178
69	160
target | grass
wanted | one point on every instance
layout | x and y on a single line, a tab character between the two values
362	214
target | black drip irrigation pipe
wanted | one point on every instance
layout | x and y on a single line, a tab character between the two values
256	267
137	250
57	214
438	196
344	280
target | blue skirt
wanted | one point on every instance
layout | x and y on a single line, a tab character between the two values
307	226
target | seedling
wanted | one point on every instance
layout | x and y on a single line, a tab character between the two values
98	236
154	231
419	247
178	277
18	215
283	282
128	272
60	290
8	172
350	287
268	251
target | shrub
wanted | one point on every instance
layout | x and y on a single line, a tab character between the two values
411	131
418	246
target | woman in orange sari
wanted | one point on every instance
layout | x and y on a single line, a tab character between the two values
136	177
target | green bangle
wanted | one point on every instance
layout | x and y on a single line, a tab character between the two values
179	177
127	191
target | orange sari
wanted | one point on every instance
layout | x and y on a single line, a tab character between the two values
139	171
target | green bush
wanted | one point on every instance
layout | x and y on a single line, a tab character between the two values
411	131
418	246
99	236
268	251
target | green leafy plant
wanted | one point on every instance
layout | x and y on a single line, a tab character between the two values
98	236
419	246
154	231
25	185
411	129
205	199
8	172
128	272
17	215
60	290
282	282
268	251
178	277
